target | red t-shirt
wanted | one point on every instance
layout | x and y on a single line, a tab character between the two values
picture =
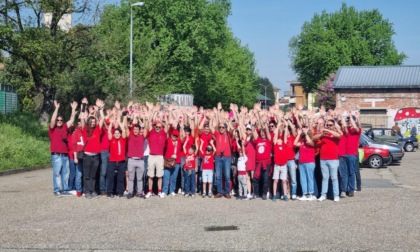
190	162
135	145
117	149
207	162
104	139
329	147
173	149
70	145
156	142
342	145
263	148
306	153
222	144
289	148
94	144
280	157
205	138
352	146
57	134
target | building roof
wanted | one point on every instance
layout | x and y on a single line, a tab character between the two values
377	77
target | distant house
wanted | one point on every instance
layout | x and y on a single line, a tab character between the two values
378	92
297	95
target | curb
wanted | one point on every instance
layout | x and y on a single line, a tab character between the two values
22	170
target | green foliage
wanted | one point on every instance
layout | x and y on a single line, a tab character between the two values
343	38
265	82
24	141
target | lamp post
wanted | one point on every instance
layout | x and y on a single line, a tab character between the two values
265	95
131	45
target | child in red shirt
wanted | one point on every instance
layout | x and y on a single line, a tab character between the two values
189	171
207	166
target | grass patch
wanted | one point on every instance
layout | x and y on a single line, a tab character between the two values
24	142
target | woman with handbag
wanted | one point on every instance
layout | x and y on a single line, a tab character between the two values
172	162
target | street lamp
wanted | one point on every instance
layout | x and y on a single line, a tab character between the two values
265	95
131	45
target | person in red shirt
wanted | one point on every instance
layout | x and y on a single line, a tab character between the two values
305	144
280	162
78	145
116	163
156	138
250	153
352	152
135	153
342	170
188	140
57	132
189	171
170	174
202	141
91	137
263	158
329	138
207	165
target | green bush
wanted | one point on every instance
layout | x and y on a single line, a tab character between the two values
24	142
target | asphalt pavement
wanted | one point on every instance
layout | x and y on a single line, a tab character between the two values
384	216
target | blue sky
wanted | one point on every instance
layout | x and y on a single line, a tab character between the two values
266	26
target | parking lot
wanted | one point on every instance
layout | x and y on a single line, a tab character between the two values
383	216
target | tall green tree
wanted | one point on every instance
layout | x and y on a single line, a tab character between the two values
183	46
344	38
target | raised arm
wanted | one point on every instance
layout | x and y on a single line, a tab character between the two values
54	115
73	114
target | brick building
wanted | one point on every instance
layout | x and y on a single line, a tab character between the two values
378	92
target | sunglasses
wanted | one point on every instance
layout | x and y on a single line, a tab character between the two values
329	125
158	127
208	150
304	127
221	127
59	120
271	126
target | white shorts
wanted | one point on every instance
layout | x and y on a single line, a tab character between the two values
280	171
207	176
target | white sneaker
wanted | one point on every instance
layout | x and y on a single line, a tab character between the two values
148	195
322	198
232	192
294	197
183	193
249	196
161	195
125	193
179	191
173	194
311	198
336	199
303	198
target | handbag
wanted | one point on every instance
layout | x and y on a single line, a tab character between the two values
81	154
169	162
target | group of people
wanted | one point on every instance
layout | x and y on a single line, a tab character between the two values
153	149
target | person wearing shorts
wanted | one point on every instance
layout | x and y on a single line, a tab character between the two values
156	139
242	184
280	165
207	166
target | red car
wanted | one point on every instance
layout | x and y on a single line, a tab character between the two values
375	157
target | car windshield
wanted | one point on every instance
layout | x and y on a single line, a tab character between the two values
365	139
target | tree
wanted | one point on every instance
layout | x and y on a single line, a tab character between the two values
182	46
41	57
325	94
265	82
343	38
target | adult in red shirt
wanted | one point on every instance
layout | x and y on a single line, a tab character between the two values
156	139
223	160
116	164
352	152
57	131
92	150
342	170
78	145
170	174
263	159
135	153
329	138
250	152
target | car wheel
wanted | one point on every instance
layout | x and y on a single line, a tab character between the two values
409	147
375	161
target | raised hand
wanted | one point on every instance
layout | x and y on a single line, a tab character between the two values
85	100
219	106
56	104
73	105
117	104
99	103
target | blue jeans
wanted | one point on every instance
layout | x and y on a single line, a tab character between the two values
79	175
329	169
145	178
189	178
344	178
169	179
72	176
306	172
223	169
358	177
352	162
262	180
182	172
60	165
292	174
102	173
